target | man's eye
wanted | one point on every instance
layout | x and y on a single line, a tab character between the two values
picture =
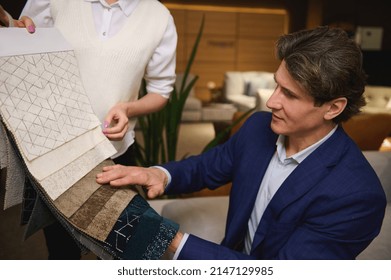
288	93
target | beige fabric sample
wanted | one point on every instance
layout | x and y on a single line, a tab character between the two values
104	221
53	161
71	200
43	101
94	208
43	104
59	182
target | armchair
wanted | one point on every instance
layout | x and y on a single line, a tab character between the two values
241	88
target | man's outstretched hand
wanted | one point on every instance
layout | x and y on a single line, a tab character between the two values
154	180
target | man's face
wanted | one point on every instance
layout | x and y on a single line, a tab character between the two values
294	112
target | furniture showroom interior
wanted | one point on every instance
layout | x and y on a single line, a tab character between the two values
234	70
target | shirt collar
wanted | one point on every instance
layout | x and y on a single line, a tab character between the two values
300	156
127	6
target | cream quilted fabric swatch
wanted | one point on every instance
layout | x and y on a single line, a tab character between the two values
44	105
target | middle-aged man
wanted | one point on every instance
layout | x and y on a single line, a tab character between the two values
301	188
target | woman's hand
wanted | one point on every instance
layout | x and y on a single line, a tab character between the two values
24	22
116	122
4	18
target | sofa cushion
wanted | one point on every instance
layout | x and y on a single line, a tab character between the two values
380	248
262	80
191	115
192	104
381	163
204	217
237	82
378	97
234	84
243	102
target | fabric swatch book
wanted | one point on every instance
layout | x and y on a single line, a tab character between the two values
50	135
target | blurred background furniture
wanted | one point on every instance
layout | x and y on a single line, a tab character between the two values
369	130
218	112
195	111
241	88
192	111
378	99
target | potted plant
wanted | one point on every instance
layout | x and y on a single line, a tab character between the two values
160	130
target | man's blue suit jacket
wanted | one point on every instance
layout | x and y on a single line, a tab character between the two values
330	207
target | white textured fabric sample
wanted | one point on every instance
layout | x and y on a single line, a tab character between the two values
44	105
43	100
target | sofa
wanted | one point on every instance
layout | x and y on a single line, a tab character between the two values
378	99
205	216
241	88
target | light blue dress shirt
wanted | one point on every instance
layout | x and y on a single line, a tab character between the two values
280	167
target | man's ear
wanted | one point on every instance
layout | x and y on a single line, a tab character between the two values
335	107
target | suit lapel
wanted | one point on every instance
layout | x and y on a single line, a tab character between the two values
242	201
309	172
242	198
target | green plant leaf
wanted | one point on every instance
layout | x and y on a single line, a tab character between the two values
160	130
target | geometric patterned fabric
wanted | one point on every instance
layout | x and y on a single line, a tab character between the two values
43	104
140	233
41	99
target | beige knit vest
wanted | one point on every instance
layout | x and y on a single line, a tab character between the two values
112	70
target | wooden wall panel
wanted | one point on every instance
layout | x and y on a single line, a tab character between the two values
234	39
216	23
213	48
261	25
179	19
257	55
